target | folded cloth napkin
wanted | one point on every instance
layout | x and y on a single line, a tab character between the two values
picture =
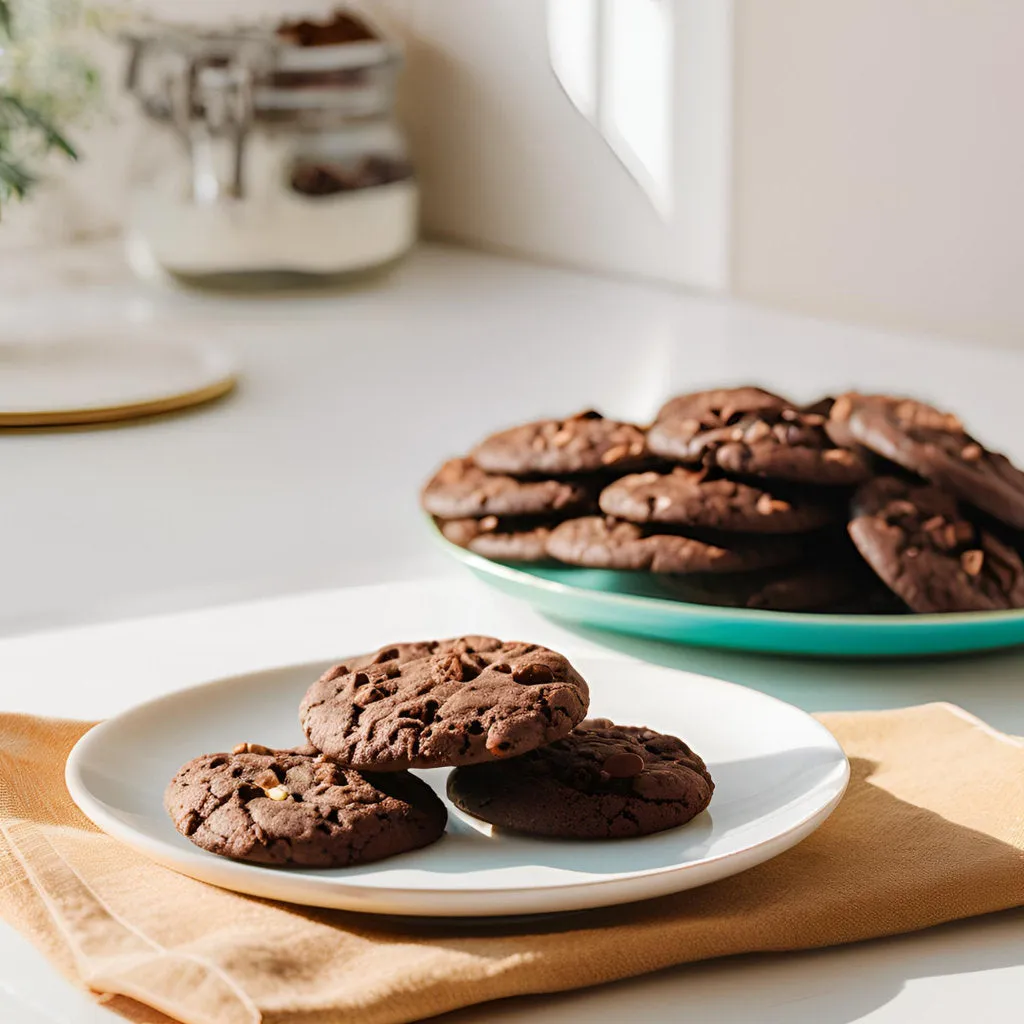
931	829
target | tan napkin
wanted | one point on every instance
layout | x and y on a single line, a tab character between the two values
931	829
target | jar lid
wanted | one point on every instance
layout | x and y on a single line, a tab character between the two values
228	14
343	39
305	65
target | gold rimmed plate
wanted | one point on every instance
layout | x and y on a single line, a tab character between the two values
105	377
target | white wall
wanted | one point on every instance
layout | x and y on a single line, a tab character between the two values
507	161
876	170
879	161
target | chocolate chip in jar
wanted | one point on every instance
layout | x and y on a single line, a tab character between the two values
325	178
339	29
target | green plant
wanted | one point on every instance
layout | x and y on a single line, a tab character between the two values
42	87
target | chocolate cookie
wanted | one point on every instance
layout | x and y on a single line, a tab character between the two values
463	701
684	417
585	443
461	490
918	542
597	542
801	588
720	406
789	445
295	807
935	445
774	442
704	498
502	541
603	781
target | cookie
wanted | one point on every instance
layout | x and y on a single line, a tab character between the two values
704	498
935	445
508	541
802	588
918	542
684	417
585	443
597	542
603	781
462	701
295	807
461	490
772	442
720	406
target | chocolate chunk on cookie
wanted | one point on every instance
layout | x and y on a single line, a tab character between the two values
502	541
585	443
788	445
461	490
597	542
295	807
705	498
466	700
801	588
602	781
919	543
772	442
934	444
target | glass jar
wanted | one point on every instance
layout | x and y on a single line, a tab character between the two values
268	156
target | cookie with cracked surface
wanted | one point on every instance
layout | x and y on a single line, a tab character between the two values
603	781
917	540
704	498
597	542
296	807
584	443
934	444
502	541
773	442
684	417
462	701
719	406
462	490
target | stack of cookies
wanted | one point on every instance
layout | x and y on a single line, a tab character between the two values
743	498
503	500
510	718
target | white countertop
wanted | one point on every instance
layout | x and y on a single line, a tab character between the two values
305	479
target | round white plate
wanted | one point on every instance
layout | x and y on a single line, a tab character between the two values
101	377
778	776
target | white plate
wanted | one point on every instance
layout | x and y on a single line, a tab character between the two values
91	378
778	776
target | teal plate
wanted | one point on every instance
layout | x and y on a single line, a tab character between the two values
627	603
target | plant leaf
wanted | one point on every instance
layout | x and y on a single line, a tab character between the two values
52	136
5	18
15	179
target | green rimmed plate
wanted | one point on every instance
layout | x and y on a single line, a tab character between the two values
629	603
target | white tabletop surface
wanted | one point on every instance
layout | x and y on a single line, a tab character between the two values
148	557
